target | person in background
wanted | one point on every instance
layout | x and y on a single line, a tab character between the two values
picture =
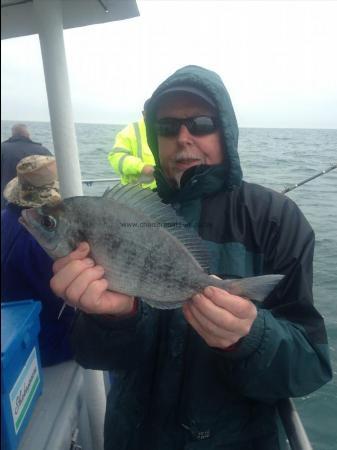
208	375
131	157
25	267
18	146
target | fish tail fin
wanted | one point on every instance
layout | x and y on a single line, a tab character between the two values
254	288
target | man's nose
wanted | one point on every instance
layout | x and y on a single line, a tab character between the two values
184	135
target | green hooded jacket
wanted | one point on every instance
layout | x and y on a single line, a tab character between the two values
171	391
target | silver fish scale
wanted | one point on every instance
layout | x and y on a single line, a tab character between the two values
146	262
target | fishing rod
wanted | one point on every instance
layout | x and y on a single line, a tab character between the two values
323	172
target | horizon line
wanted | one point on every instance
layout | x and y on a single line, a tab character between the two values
123	124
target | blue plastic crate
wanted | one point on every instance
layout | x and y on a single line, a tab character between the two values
21	376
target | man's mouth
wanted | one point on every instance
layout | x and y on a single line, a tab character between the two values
186	163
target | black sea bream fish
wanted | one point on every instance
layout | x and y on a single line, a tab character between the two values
146	249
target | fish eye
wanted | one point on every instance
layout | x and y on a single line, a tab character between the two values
48	222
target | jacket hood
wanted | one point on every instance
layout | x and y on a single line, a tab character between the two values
211	85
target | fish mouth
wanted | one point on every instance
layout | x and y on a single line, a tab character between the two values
23	219
28	218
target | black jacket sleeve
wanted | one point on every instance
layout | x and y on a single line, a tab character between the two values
286	353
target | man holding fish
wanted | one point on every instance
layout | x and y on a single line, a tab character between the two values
199	361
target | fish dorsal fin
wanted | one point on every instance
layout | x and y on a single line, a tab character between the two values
148	202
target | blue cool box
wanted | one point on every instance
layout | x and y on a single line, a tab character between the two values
21	377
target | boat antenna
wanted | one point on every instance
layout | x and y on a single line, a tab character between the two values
291	188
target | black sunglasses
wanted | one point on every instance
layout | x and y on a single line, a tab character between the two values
197	126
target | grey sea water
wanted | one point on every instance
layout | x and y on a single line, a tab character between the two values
276	158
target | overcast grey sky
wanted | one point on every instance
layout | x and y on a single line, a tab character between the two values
276	58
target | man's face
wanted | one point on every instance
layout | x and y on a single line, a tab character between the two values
179	153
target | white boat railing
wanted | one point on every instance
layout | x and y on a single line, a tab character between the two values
100	180
293	426
284	191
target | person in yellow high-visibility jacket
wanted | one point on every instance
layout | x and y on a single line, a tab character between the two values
131	157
